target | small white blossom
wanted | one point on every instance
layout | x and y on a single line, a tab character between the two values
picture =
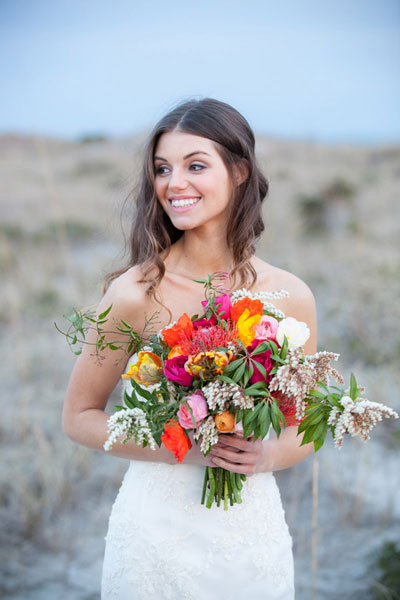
208	432
221	396
132	423
265	298
358	418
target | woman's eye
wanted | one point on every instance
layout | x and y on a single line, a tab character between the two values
197	166
161	170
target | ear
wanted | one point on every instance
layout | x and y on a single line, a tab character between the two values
240	172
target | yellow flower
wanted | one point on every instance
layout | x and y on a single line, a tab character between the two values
245	327
147	370
208	363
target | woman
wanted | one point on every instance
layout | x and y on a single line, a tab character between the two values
198	211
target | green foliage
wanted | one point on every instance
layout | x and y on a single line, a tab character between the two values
315	208
12	231
385	567
71	228
339	188
93	138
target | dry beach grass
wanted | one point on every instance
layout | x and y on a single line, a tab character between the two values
332	218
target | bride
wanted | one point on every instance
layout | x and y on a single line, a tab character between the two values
198	210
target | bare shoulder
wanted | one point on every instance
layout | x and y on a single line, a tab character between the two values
300	303
128	298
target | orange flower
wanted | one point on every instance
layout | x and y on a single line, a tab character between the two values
175	439
176	351
147	370
225	422
255	307
172	335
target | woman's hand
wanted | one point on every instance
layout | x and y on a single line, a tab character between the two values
236	454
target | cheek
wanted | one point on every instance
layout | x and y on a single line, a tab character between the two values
159	187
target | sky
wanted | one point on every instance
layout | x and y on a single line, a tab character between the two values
324	70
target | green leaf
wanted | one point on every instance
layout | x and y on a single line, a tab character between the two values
263	347
129	402
224	378
284	349
248	429
105	313
144	393
275	418
257	431
231	367
353	387
260	368
264	420
256	388
251	414
316	394
273	347
246	377
239	415
238	374
319	441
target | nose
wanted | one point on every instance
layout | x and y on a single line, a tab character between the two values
177	180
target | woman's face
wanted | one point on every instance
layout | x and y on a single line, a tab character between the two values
191	181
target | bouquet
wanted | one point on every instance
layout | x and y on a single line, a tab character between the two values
239	366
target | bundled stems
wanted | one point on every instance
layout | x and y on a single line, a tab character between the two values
220	483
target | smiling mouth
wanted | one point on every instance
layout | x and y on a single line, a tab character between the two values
184	203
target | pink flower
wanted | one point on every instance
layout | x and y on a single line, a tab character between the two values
199	407
224	311
174	369
266	328
264	358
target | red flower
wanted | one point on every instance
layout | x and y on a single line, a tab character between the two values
174	369
264	359
288	408
175	439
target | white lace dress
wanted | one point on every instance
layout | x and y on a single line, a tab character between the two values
163	544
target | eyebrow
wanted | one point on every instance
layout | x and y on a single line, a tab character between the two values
185	157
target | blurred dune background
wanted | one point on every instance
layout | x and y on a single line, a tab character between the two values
332	217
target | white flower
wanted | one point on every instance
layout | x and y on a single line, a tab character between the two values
297	332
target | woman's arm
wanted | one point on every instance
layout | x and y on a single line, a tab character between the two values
245	456
91	384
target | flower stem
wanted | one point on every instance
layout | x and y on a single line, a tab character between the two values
211	493
226	491
220	485
203	494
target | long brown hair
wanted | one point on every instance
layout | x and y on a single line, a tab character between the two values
152	232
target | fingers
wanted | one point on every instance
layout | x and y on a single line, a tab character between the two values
238	443
234	456
235	468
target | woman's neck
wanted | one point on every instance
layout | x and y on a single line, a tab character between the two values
197	254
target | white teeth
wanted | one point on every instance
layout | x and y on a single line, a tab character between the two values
187	202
